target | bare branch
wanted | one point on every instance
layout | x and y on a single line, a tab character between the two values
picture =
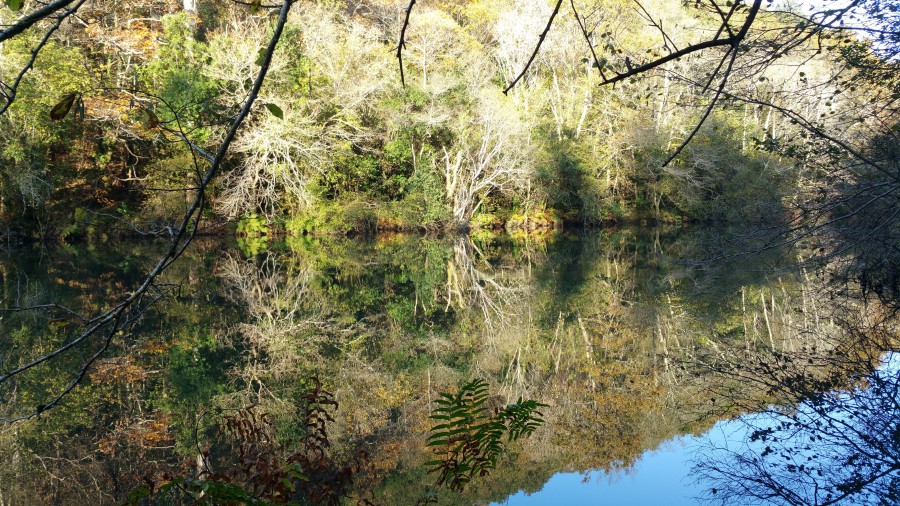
729	41
29	20
709	108
726	18
118	317
666	39
712	76
587	38
10	95
43	307
665	59
818	132
536	48
402	44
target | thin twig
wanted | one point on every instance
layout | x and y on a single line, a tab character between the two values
14	87
666	39
712	76
729	41
43	307
665	59
536	48
587	39
726	18
709	109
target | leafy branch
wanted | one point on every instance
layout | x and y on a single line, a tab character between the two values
468	441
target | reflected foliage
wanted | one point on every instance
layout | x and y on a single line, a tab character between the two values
623	343
836	438
259	469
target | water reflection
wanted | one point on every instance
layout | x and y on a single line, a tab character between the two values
629	348
834	447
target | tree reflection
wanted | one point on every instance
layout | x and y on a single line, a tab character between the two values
472	284
840	443
598	326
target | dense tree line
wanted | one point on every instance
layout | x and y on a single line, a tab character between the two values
336	142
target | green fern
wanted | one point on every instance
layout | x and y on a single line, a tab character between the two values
467	440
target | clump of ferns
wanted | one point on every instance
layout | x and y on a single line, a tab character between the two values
469	437
266	471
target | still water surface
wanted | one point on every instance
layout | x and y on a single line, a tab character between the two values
651	360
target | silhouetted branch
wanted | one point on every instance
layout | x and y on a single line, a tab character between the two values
714	73
536	48
11	90
733	41
43	307
29	20
666	59
726	18
709	109
666	39
818	132
587	38
118	317
402	44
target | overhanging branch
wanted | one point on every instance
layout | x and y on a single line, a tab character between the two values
125	312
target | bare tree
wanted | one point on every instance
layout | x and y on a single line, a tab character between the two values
470	285
490	157
282	154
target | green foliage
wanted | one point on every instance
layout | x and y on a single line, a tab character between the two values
252	246
349	135
274	110
425	203
194	491
252	225
338	218
186	97
40	147
468	440
563	180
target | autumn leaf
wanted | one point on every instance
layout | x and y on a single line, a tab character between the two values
261	56
60	110
147	118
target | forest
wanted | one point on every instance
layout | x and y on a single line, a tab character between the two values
108	119
437	252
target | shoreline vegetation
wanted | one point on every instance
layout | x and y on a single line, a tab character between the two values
338	145
286	130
